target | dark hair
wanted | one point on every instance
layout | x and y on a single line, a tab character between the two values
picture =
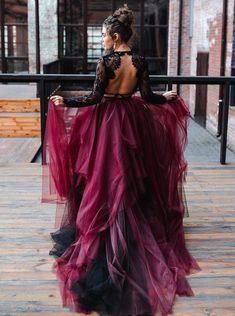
120	22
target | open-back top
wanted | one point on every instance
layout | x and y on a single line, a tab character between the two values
119	73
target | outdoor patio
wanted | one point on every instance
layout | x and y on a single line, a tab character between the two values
28	286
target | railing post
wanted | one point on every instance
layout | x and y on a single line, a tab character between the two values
37	33
2	31
224	132
42	93
142	16
169	85
85	8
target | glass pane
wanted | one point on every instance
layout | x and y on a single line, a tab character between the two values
70	27
16	35
156	34
94	43
72	42
16	40
17	66
70	11
16	11
135	41
156	12
98	11
157	66
155	41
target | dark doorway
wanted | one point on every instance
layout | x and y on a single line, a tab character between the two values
201	90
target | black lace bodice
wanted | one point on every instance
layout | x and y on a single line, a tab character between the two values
105	70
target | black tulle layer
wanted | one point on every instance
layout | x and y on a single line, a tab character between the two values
63	238
95	289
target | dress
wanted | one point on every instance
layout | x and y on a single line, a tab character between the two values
113	163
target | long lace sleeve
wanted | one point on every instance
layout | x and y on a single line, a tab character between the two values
98	90
145	87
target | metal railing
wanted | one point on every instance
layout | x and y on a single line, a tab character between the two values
43	80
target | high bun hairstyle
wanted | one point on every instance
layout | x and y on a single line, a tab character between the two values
120	22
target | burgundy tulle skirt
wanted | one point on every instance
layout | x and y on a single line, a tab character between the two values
115	171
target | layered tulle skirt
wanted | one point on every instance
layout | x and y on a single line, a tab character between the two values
115	171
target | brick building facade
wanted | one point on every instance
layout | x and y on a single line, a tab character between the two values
48	33
202	29
194	34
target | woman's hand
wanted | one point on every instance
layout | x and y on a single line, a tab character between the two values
58	100
170	95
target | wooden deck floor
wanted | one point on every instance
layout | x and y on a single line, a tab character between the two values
18	150
28	286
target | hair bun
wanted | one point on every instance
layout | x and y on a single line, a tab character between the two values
124	15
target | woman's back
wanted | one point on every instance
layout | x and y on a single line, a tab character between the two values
119	73
123	73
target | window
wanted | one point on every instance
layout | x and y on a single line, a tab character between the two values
14	50
80	24
94	43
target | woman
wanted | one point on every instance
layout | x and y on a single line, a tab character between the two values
116	169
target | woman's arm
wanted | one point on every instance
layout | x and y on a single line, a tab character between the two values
145	87
94	97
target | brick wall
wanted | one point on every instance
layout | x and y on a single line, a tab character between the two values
186	48
174	12
173	37
204	36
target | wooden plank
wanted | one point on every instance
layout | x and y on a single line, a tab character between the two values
20	105
18	125
29	287
18	150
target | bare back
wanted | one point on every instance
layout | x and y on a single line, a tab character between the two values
125	78
119	73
